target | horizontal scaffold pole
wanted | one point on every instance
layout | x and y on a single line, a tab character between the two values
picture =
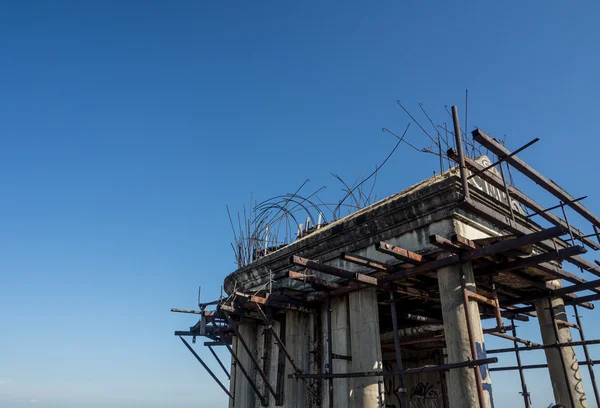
536	366
544	346
417	370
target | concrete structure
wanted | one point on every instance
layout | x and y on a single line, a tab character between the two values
317	314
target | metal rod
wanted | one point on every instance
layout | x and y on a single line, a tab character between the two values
461	157
330	352
588	360
521	197
508	199
545	346
503	158
403	399
537	366
554	207
214	377
277	339
562	207
407	371
478	379
524	392
542	181
256	365
219	361
563	361
243	370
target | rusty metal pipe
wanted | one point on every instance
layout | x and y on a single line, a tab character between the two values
461	157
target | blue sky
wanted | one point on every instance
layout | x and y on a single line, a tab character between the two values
127	126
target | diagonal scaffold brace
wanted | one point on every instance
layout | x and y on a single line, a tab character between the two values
281	345
214	377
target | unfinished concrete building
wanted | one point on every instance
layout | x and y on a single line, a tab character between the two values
390	306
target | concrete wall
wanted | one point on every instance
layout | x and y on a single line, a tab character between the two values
244	394
300	339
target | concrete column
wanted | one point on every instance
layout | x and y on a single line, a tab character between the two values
298	335
366	348
340	330
232	374
461	382
561	383
245	396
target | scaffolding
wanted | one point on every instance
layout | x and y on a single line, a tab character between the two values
506	256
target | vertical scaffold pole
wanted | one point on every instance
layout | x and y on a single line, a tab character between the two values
588	360
402	389
330	351
524	392
478	378
461	157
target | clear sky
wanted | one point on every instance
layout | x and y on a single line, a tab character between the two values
127	126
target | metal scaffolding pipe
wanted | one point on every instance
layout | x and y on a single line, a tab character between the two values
408	371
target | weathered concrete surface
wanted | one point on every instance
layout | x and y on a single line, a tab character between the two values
299	342
366	348
233	374
461	382
560	383
340	330
245	397
423	390
418	206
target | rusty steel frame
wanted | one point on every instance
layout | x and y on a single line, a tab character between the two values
522	198
528	171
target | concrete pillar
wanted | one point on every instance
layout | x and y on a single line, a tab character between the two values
274	363
298	335
561	383
461	382
366	348
245	397
232	374
340	330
